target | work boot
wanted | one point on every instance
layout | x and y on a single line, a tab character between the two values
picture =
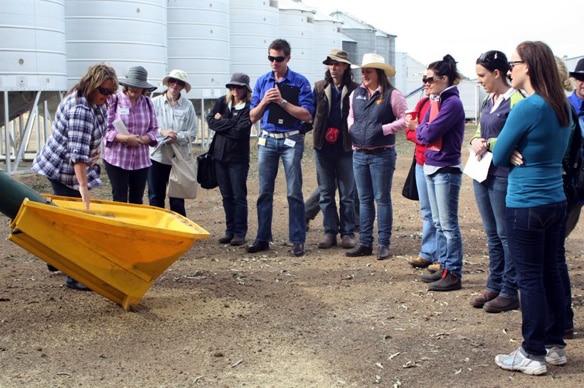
328	241
432	277
448	282
361	250
347	242
483	297
500	304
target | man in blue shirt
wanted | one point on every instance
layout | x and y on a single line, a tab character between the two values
281	137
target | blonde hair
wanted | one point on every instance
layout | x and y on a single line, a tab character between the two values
564	75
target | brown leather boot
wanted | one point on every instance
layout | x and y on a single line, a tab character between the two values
483	297
500	304
328	241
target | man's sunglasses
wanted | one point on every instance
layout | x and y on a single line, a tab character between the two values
277	59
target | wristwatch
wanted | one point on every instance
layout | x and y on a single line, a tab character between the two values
283	103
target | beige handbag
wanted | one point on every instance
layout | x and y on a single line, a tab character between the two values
182	181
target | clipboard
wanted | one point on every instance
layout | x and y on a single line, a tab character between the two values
277	115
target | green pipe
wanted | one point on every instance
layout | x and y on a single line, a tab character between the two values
13	193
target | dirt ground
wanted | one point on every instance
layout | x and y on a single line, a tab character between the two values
220	317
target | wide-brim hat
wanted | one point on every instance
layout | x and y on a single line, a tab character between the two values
239	79
375	61
179	75
336	55
137	77
579	70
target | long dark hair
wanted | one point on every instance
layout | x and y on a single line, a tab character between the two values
347	76
544	77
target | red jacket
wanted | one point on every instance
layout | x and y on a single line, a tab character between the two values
421	107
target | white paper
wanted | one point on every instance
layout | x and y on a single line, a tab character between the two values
478	169
121	127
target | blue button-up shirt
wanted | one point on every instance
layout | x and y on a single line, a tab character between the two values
266	82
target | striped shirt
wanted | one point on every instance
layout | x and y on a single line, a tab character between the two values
140	120
76	137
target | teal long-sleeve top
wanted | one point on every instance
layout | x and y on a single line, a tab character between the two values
535	131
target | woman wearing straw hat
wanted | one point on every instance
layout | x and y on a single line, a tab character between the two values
376	114
177	122
132	127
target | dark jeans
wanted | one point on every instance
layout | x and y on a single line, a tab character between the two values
534	238
158	175
127	185
232	179
336	172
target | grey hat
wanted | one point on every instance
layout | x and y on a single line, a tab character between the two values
239	79
337	55
579	70
137	78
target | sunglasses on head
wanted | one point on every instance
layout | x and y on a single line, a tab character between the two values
176	81
429	80
277	59
489	56
105	91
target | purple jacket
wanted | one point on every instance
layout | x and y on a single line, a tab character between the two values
448	125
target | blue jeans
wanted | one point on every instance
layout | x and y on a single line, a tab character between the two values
373	177
268	160
232	179
490	197
429	233
443	192
336	171
534	237
158	175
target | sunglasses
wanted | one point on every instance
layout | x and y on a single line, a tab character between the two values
429	80
176	81
105	91
237	87
513	63
277	59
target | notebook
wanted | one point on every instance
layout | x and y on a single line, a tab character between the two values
277	115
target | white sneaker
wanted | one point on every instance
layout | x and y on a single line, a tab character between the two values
518	361
556	355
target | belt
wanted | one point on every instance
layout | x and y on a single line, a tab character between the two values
372	150
280	135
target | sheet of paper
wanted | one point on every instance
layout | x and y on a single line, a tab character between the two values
478	169
121	127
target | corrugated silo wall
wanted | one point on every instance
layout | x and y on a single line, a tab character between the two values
122	34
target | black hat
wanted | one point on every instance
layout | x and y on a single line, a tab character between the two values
239	79
579	70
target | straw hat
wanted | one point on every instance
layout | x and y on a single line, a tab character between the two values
375	61
179	75
137	77
239	79
337	56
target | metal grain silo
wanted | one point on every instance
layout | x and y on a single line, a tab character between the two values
198	43
33	53
296	25
121	33
254	25
327	31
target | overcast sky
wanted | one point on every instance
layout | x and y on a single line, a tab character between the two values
427	30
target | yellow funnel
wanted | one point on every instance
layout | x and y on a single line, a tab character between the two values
116	249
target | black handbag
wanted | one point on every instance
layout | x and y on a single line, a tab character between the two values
206	175
410	189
